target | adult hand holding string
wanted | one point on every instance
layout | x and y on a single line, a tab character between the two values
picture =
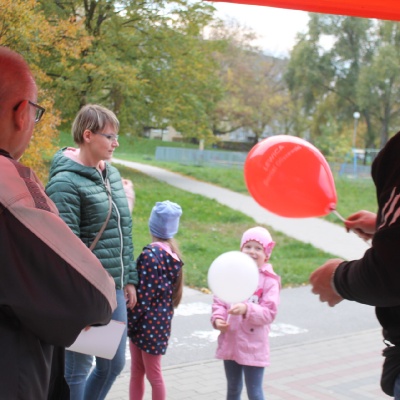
363	223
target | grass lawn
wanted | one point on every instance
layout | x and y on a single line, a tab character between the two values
208	228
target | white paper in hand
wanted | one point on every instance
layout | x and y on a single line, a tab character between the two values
100	341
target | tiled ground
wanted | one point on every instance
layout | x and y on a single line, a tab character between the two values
343	368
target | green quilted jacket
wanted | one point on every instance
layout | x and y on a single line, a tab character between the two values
80	195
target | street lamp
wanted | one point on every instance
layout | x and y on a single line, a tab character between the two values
356	117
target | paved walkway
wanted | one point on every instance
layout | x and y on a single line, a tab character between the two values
343	368
337	367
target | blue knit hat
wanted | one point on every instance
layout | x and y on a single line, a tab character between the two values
164	219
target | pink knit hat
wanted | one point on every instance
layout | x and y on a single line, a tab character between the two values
260	235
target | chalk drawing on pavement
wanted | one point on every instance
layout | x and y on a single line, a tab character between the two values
198	339
189	309
280	329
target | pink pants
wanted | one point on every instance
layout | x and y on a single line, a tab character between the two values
144	364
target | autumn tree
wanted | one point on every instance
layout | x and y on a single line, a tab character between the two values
25	29
255	96
147	61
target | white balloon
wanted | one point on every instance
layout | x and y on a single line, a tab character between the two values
233	276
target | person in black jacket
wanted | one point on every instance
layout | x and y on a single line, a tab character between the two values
375	278
51	285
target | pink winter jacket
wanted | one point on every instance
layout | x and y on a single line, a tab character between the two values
246	340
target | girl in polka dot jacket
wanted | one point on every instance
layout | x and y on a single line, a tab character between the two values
159	291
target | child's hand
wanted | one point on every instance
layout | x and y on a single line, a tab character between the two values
221	325
129	192
130	295
238	309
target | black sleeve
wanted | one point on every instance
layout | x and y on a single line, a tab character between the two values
374	279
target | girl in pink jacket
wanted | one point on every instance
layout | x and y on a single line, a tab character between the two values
243	343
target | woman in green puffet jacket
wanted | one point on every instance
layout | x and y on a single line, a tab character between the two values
80	184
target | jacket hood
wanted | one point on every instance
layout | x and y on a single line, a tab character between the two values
268	270
67	159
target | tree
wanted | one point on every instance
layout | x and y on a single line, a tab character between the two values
356	73
378	89
147	61
255	95
25	29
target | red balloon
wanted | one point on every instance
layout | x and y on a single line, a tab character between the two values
290	177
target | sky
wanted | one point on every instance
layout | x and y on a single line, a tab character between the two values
276	26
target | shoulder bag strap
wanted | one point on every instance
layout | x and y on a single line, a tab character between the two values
98	236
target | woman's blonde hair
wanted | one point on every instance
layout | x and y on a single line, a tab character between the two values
94	118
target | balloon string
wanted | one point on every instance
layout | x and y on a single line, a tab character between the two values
338	215
229	315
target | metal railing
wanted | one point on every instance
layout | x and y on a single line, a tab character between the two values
210	158
233	159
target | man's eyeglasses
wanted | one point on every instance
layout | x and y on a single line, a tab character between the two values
110	136
39	110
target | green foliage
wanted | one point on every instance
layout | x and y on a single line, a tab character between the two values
147	62
43	42
330	135
356	73
254	94
151	63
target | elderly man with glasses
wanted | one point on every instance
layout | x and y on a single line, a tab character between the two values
51	285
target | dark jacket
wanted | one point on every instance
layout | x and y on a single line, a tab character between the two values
149	323
51	287
80	195
375	278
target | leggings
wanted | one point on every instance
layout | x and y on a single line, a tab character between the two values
149	365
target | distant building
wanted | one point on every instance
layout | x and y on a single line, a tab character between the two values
241	135
166	135
244	135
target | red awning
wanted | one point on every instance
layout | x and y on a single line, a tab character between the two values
381	9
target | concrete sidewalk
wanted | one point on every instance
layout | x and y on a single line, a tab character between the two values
342	368
337	367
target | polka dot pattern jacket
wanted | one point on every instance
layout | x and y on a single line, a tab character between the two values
149	323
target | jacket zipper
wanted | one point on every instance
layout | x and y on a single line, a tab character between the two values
122	246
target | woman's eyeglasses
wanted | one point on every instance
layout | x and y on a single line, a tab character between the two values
110	136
